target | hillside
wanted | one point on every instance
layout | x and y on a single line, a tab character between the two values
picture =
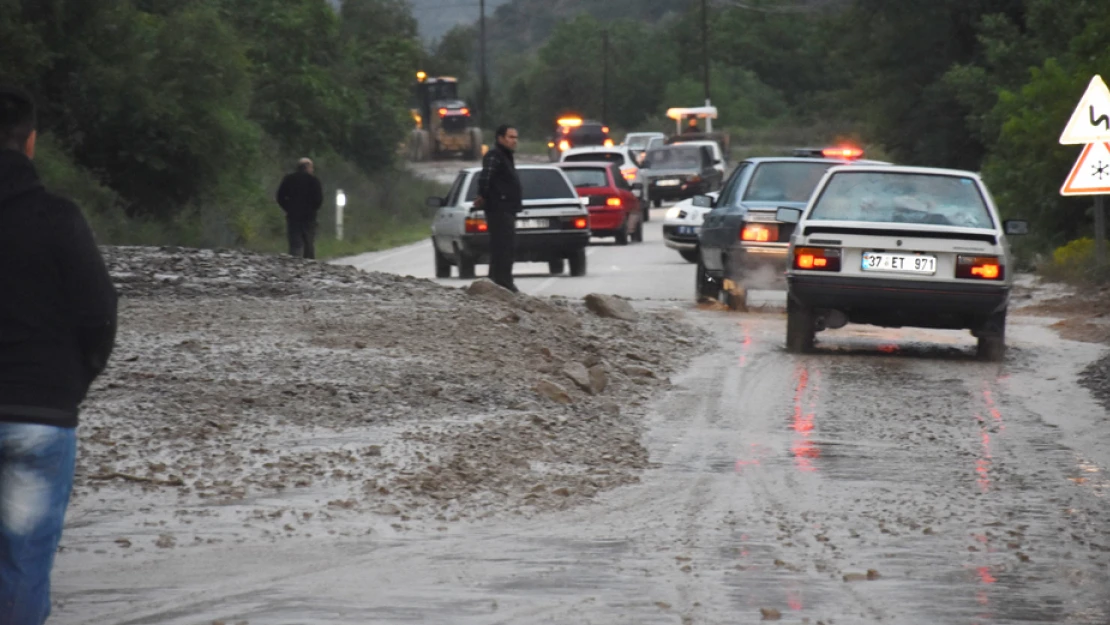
436	17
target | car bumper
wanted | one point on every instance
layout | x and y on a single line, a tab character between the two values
909	298
684	241
676	193
606	221
530	246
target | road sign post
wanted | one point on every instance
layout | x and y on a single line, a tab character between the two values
1090	125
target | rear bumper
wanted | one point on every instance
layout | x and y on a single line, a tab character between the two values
530	246
907	299
603	221
677	193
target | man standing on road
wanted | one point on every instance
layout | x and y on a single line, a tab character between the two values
57	330
501	196
301	196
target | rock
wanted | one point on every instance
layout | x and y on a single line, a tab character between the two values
662	605
165	541
855	577
872	574
123	542
599	379
562	491
554	392
578	374
770	614
488	289
611	409
374	450
639	372
610	307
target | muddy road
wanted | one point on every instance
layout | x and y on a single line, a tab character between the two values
888	478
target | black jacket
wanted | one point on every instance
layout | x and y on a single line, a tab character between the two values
300	195
57	302
499	183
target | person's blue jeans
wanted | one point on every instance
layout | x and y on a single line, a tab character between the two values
36	477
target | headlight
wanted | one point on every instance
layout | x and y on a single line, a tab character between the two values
672	212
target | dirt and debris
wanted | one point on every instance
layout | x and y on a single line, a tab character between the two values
282	395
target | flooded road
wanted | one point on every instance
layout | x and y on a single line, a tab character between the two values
888	478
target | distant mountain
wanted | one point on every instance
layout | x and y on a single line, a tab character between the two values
436	17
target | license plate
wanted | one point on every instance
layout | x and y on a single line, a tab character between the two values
667	183
687	230
532	224
899	263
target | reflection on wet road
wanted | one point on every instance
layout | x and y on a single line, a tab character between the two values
887	478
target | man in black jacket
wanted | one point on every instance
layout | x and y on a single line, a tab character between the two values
57	329
300	196
501	196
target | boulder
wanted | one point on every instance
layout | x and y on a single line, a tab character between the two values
554	392
599	379
610	307
578	374
488	289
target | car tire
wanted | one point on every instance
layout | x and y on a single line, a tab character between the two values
443	264
657	203
992	339
466	267
638	233
622	236
705	288
577	262
800	327
690	256
556	266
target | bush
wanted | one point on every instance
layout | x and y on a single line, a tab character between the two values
1075	263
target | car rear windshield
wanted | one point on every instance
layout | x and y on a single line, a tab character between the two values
538	184
674	158
587	177
915	198
608	157
639	142
785	182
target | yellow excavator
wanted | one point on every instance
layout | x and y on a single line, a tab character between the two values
443	122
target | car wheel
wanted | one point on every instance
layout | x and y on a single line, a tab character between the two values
638	233
992	339
443	264
555	267
705	288
800	327
690	256
466	267
578	263
622	236
657	203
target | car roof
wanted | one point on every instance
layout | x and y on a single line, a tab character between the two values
809	159
476	170
585	164
908	169
597	148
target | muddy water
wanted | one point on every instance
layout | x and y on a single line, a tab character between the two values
888	478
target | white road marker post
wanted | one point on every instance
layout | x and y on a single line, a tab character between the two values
340	202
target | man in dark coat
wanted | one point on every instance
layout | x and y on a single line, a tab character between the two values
300	196
501	196
57	330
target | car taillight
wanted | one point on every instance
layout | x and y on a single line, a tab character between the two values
581	223
613	202
475	226
465	111
629	173
695	178
817	259
443	112
564	145
608	143
760	233
979	268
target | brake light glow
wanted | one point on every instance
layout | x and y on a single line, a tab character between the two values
476	226
629	173
817	259
979	268
570	122
605	129
443	112
614	202
608	143
564	145
759	233
465	111
581	223
550	144
845	152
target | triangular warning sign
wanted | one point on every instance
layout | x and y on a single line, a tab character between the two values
1091	174
1090	123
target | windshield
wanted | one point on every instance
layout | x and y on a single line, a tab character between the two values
608	157
637	142
538	184
884	197
785	182
674	158
591	177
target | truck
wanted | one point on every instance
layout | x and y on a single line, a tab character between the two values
442	122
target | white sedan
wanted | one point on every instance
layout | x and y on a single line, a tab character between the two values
682	225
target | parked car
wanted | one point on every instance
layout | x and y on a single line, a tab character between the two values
720	159
741	242
621	155
614	208
677	172
682	225
554	226
896	247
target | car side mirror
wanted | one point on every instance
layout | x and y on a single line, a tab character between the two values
1016	227
788	215
435	202
702	201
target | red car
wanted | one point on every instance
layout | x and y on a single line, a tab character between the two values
614	207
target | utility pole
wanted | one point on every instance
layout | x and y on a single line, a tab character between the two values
605	76
484	88
705	46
